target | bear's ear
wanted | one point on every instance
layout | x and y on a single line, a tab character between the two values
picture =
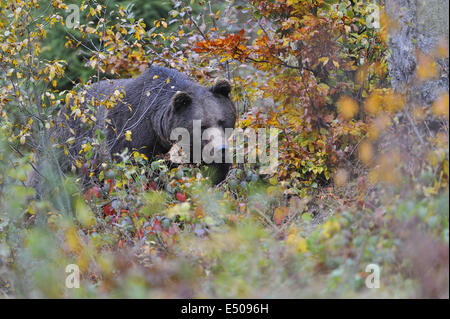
222	87
181	100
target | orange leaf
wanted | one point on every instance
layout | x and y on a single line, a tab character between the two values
279	214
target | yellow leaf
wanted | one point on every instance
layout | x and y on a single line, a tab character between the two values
330	227
84	214
366	152
427	68
72	241
279	214
302	245
347	107
297	242
324	60
373	104
128	135
440	106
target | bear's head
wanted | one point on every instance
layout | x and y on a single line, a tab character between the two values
207	115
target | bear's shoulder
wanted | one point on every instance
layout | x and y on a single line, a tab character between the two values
106	87
160	73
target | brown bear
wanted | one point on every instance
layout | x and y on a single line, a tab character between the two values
150	107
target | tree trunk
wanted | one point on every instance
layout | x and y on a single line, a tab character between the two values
419	25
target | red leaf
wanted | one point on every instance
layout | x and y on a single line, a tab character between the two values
279	214
151	186
111	185
108	211
181	197
92	191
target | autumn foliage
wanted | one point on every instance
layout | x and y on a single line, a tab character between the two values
309	56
